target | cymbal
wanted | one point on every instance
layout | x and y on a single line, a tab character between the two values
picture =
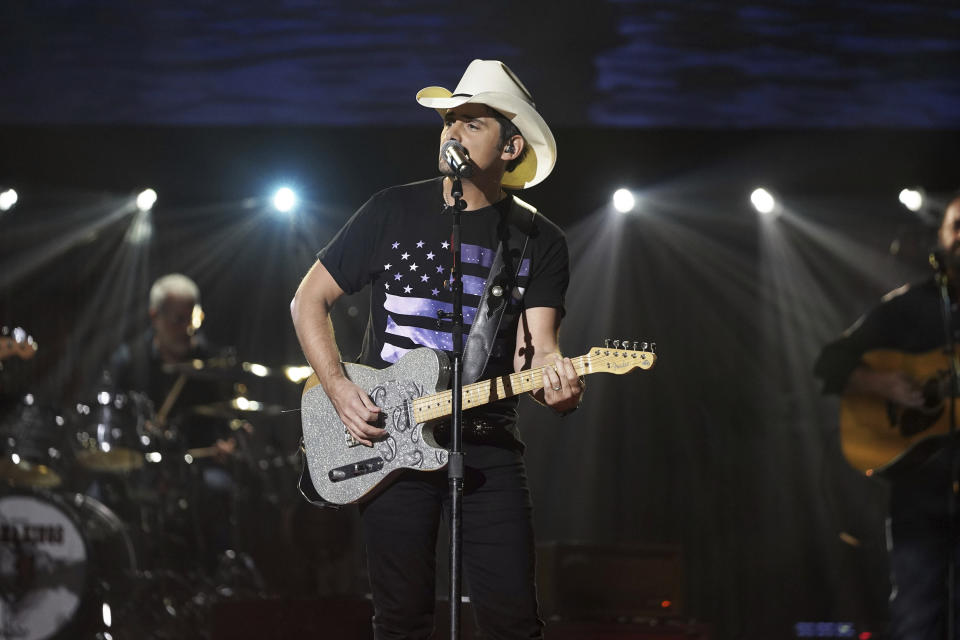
238	407
215	367
230	368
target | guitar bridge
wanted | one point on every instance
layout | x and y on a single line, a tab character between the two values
347	471
348	439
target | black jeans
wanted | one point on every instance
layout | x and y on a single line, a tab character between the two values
400	532
918	535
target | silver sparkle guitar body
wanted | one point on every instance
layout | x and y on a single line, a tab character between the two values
344	471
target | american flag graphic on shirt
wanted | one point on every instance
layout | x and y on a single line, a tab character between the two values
414	281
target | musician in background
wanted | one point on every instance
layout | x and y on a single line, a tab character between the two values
909	320
149	364
399	244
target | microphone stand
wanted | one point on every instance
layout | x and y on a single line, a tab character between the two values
455	465
950	346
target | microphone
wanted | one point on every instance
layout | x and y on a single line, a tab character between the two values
457	157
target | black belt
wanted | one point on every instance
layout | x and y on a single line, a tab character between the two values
476	428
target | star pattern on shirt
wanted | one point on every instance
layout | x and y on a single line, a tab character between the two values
414	277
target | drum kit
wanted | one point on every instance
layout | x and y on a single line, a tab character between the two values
101	523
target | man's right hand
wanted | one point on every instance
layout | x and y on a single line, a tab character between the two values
356	410
894	386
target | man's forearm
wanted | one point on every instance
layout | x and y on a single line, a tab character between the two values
314	328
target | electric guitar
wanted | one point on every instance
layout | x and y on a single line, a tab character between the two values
880	437
412	401
18	344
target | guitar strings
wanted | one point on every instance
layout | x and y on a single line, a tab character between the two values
584	361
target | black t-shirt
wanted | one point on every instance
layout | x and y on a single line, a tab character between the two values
137	366
399	243
909	319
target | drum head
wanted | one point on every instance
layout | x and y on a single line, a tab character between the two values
43	567
59	556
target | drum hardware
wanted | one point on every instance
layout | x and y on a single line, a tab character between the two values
113	433
32	440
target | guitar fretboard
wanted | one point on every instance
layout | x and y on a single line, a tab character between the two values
439	405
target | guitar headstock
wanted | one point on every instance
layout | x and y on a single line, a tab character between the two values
621	356
16	342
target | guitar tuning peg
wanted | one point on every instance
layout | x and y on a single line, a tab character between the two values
644	346
606	343
635	343
653	347
625	343
616	344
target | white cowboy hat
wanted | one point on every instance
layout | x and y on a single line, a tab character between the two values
491	82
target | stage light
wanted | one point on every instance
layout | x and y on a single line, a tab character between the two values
763	201
912	199
624	201
141	227
7	199
284	200
146	199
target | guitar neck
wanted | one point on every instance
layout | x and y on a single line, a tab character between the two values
24	349
439	405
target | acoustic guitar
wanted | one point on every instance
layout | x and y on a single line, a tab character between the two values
880	437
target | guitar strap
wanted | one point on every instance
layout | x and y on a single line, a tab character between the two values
515	228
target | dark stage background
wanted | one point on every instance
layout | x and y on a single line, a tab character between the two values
725	448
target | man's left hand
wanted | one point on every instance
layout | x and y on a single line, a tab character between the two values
562	387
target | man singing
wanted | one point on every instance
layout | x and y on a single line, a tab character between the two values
398	243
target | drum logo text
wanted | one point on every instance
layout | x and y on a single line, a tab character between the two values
31	533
